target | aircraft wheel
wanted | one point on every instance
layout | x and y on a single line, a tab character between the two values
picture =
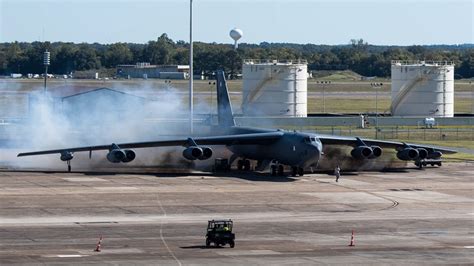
240	165
294	171
300	171
281	170
246	165
273	170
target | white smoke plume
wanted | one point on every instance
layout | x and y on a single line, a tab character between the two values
142	114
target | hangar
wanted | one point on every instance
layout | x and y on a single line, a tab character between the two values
100	105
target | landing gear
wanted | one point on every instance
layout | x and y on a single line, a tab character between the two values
273	169
294	171
277	169
297	171
240	165
243	165
69	166
300	171
281	170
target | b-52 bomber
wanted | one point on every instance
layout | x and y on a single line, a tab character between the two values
269	147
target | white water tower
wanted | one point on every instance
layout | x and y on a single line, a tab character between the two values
236	34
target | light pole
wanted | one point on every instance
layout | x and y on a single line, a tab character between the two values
46	62
324	83
376	86
191	66
472	96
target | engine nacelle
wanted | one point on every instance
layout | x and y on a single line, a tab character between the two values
434	155
66	156
376	152
116	156
193	153
129	156
206	153
408	154
361	152
422	153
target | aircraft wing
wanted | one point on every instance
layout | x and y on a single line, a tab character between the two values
354	141
255	138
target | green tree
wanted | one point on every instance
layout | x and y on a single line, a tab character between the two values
116	54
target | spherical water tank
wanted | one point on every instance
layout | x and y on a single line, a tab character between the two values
422	88
274	88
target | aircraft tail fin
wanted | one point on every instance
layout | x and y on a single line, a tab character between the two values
225	115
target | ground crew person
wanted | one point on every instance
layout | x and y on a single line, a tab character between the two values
226	228
337	173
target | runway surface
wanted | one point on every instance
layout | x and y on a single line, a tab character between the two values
407	216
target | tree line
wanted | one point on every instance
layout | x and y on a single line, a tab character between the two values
357	55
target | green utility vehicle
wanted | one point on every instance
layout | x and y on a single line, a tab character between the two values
220	233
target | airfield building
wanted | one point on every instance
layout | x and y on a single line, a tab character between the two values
145	70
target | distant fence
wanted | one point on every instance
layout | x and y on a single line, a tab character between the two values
450	134
354	121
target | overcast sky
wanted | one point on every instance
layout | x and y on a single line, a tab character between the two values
392	22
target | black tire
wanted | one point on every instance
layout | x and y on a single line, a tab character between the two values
232	244
240	165
300	171
273	170
208	242
294	171
69	168
439	164
246	165
281	170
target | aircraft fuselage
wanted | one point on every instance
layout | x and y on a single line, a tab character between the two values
293	149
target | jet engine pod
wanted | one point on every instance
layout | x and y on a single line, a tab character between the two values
434	155
422	153
206	153
129	156
192	153
408	154
66	156
376	152
116	156
361	152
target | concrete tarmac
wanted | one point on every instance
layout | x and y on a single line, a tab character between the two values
407	216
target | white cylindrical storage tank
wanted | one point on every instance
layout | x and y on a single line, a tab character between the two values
274	88
422	88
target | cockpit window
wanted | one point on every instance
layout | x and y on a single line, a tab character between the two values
313	139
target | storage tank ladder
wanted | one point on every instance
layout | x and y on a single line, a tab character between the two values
444	93
257	91
405	89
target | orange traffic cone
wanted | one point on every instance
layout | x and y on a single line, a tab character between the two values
97	247
352	244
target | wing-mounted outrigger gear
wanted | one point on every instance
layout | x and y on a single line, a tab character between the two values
67	156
